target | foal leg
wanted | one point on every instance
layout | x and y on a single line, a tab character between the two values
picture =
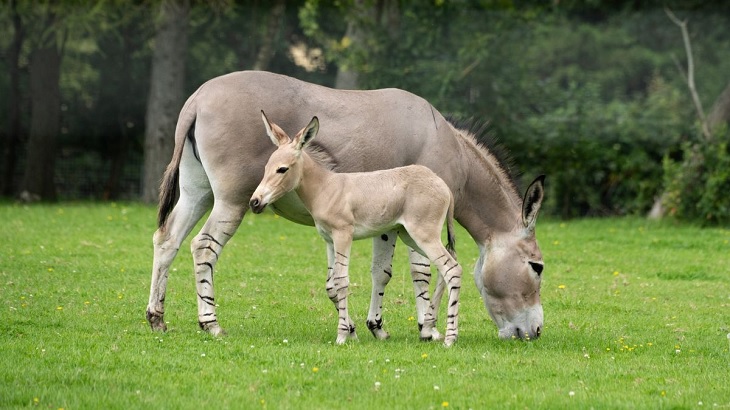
381	272
450	270
338	282
431	317
206	248
421	275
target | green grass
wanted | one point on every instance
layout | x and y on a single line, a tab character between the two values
636	316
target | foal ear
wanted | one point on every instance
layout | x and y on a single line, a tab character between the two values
277	138
307	134
532	201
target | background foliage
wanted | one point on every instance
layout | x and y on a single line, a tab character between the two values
586	92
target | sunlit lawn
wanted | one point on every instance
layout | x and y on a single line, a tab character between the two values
636	316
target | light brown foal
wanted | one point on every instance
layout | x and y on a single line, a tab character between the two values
349	206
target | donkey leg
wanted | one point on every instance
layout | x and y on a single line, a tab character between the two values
206	248
167	240
338	283
194	201
421	275
381	272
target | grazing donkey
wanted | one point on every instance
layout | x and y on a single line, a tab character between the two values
362	205
219	160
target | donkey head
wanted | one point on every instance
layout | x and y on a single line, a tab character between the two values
509	272
283	172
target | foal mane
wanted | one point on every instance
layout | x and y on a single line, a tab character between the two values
482	135
320	155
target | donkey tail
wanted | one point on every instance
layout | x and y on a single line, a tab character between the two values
450	237
169	186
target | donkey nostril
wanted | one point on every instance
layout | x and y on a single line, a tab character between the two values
538	331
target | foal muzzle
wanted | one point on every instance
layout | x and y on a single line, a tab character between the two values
257	206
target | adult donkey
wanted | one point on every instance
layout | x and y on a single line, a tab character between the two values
219	158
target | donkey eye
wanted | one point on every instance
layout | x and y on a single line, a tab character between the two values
282	170
537	267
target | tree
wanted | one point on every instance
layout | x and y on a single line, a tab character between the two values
266	51
696	187
720	111
166	94
10	147
45	96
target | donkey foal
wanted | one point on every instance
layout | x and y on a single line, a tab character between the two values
361	205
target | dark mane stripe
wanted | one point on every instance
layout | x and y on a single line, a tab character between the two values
486	138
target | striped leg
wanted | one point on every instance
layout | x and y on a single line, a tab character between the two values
206	248
451	273
338	282
431	316
167	242
421	275
450	270
381	272
195	199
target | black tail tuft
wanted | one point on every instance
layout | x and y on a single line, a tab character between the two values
451	241
168	194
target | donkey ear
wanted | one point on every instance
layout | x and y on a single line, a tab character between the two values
276	137
532	201
306	135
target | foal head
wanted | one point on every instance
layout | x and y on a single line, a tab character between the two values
283	172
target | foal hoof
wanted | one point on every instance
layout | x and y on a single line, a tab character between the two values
448	342
213	328
344	337
156	321
428	335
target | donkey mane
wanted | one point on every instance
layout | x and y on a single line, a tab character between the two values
483	135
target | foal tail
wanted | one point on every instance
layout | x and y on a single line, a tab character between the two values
450	237
169	187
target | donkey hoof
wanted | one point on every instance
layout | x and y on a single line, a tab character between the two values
381	334
376	328
156	321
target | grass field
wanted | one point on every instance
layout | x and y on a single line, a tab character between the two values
637	315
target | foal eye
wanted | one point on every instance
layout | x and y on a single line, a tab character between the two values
281	170
537	267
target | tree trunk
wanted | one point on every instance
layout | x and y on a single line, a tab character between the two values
267	49
10	146
383	13
121	110
45	95
166	93
347	78
720	112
